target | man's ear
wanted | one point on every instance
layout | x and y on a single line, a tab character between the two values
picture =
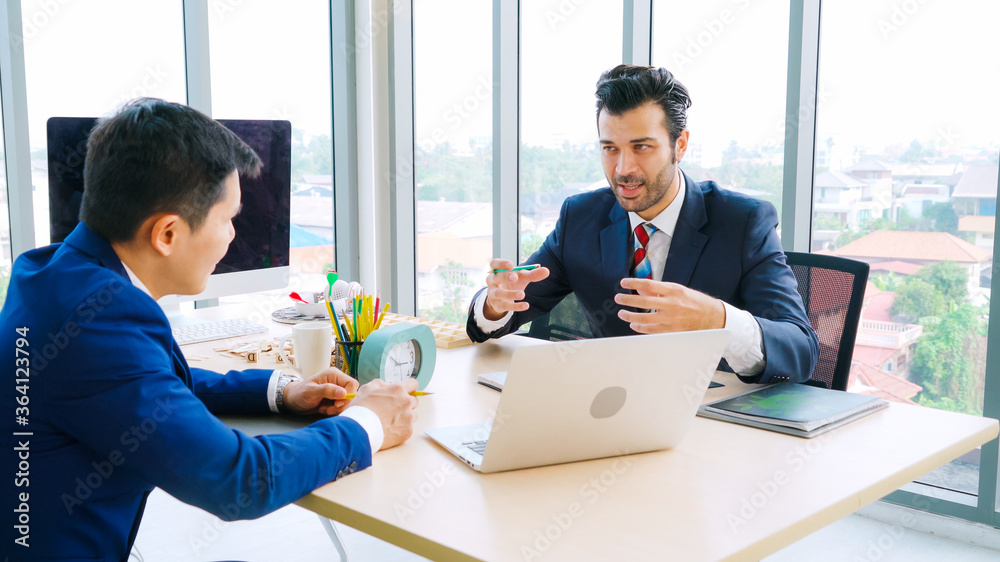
681	146
164	233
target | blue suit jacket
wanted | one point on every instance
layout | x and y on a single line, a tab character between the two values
725	245
113	410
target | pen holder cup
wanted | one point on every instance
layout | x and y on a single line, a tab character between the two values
348	364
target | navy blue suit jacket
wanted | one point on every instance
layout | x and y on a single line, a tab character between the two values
113	410
725	245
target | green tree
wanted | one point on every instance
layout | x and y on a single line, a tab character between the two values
940	217
320	150
4	282
826	222
917	298
949	279
944	362
848	236
547	169
887	281
530	242
442	174
914	153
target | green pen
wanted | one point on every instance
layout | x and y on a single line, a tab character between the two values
518	268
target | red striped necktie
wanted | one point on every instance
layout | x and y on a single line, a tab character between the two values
641	268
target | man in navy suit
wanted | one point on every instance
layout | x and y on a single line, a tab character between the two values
101	404
658	252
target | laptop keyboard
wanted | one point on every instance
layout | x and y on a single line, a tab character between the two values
477	446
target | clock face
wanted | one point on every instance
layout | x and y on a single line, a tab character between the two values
402	361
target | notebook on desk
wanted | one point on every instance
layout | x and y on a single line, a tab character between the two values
795	409
587	399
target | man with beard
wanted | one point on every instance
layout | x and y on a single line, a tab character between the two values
657	251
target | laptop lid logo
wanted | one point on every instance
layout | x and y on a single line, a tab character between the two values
608	402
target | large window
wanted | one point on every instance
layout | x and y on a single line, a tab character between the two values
83	59
906	180
453	127
5	251
271	60
732	57
565	46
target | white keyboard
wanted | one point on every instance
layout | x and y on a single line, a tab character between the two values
208	331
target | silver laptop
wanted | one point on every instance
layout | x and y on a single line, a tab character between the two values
587	399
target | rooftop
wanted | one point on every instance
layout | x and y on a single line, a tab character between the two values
873	356
925	170
916	246
979	181
869	165
900	267
463	219
878	307
912	189
837	179
866	379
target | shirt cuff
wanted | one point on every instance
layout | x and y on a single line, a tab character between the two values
272	391
369	422
745	351
486	325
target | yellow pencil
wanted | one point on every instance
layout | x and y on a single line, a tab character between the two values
336	329
350	328
379	321
369	317
351	395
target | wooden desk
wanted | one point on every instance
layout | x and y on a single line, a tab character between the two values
727	492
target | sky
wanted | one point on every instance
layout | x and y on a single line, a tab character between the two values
891	70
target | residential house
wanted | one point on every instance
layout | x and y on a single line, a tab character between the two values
976	194
838	195
454	248
920	248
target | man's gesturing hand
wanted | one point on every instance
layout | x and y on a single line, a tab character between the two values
673	307
505	290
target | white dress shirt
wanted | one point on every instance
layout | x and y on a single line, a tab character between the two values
745	352
368	419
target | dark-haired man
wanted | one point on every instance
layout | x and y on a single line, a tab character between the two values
658	252
106	406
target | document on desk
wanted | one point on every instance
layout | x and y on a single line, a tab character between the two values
796	409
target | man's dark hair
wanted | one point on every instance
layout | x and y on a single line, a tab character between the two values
626	87
155	157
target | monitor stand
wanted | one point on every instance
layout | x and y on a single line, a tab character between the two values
178	317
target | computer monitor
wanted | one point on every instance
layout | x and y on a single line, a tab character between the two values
258	258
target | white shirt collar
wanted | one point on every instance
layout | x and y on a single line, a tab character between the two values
135	280
666	221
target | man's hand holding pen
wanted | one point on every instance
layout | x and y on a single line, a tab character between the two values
505	287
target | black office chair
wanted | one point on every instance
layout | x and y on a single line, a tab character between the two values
566	321
832	290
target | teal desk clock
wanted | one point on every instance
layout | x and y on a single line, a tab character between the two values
395	352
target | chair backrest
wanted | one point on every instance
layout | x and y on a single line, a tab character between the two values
566	321
832	290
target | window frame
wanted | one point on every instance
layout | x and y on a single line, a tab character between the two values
392	77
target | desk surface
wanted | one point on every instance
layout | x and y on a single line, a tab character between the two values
727	492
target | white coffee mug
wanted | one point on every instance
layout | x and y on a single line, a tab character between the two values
313	343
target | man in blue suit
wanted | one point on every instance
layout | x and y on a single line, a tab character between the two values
658	252
101	404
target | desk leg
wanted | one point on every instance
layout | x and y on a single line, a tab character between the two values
331	530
